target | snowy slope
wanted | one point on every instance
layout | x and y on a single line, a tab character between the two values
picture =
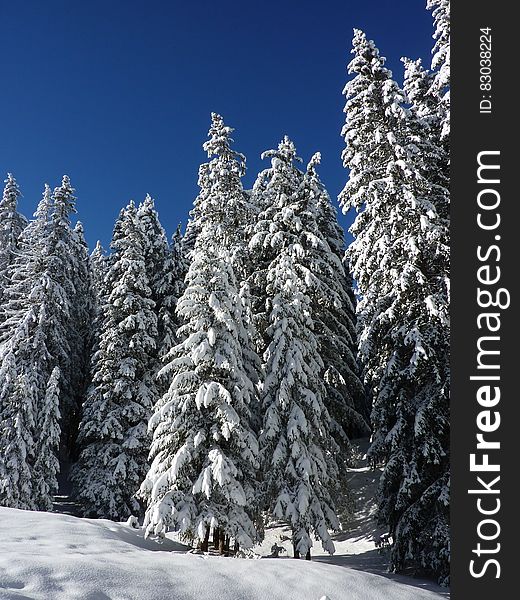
48	556
360	531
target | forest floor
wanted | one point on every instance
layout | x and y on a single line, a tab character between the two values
50	556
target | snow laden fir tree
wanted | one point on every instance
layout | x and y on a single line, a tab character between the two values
441	61
66	344
34	306
164	266
332	296
12	223
113	431
400	261
298	452
204	451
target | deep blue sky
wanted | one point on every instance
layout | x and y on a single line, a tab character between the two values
118	93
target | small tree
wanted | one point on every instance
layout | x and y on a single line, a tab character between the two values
47	441
98	265
16	437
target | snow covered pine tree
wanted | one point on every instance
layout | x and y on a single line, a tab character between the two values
69	266
441	60
400	260
298	450
164	269
12	223
335	319
113	430
204	452
35	309
98	265
81	333
46	464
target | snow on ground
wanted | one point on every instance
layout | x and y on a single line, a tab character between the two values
49	556
360	530
355	545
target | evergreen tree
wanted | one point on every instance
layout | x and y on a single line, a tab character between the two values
32	326
98	265
441	60
400	260
175	269
282	179
163	274
190	235
298	449
238	234
12	223
47	441
16	437
333	308
113	430
425	124
80	330
179	263
65	346
204	452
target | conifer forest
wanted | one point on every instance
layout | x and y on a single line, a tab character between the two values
213	379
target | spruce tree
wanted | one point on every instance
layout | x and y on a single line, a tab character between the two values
335	319
175	270
400	260
80	330
32	326
47	442
113	430
65	346
163	273
12	223
16	437
298	449
441	60
98	265
179	263
281	179
425	124
204	451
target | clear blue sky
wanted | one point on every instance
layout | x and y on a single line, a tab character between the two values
118	93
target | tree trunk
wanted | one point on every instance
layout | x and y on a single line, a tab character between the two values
216	537
296	552
205	541
236	548
308	555
226	545
222	543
